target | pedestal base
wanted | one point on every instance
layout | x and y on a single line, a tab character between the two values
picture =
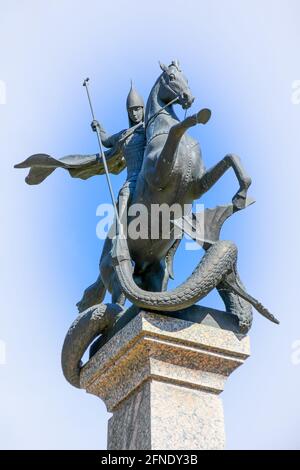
160	376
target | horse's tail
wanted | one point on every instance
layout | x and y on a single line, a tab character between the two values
87	326
92	295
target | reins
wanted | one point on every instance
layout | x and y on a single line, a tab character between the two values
160	110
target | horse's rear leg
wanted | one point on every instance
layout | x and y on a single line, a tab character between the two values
106	280
110	279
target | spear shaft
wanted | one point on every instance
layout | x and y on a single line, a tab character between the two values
85	84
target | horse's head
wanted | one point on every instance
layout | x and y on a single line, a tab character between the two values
174	84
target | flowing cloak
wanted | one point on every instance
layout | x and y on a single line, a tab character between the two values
79	166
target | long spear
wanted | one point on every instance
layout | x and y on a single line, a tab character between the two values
85	84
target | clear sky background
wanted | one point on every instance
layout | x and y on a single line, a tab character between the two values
242	60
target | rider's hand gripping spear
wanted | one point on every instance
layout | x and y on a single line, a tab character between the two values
118	222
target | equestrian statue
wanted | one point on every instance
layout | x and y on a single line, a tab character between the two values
164	167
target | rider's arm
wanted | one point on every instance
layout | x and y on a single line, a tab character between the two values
107	140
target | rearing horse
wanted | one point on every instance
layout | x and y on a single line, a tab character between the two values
172	173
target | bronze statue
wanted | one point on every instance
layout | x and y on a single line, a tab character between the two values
165	166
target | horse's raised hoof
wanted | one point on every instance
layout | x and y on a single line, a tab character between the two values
203	116
241	201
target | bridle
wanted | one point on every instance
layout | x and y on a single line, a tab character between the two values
160	110
164	107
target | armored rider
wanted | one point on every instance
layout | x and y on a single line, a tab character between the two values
131	142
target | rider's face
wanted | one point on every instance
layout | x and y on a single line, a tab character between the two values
136	114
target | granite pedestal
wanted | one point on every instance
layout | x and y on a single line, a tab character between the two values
161	377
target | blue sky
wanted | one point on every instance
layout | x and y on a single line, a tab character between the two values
241	59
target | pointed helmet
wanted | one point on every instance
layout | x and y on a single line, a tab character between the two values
134	98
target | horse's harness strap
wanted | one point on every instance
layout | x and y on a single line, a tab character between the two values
160	110
157	135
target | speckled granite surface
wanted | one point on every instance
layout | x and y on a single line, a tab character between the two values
161	377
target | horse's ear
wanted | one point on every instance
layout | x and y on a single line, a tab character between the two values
176	63
163	66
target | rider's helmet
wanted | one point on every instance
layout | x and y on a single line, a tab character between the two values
134	99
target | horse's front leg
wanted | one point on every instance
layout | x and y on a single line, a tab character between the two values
239	199
212	175
165	161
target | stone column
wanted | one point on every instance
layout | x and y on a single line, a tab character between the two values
161	377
